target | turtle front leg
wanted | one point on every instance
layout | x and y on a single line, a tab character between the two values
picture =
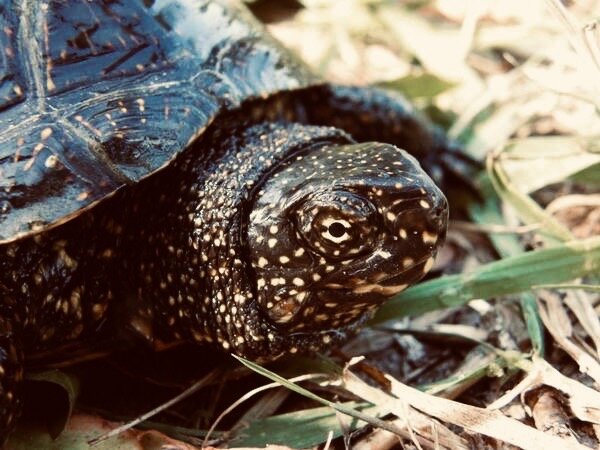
11	376
373	114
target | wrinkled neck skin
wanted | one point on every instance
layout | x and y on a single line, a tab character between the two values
216	299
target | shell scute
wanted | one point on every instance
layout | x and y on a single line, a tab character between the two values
124	87
86	42
42	168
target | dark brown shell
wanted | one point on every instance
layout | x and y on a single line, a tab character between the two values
97	95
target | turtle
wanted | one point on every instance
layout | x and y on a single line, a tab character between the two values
169	170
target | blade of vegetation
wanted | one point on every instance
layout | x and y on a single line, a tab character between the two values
423	85
529	211
488	212
511	275
258	408
589	176
552	159
342	408
300	429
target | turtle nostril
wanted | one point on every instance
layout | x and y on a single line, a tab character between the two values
437	212
438	216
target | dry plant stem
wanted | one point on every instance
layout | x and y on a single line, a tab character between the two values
480	356
591	40
549	416
557	322
569	201
493	228
577	35
379	439
344	424
375	421
569	286
329	439
213	375
479	420
579	302
419	425
583	401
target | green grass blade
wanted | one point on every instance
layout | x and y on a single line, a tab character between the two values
300	429
354	413
589	176
488	212
418	86
511	275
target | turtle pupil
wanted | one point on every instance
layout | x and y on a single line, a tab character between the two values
337	230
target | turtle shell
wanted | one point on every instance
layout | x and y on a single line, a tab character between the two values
95	95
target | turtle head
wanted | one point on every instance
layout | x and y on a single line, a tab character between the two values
300	234
334	230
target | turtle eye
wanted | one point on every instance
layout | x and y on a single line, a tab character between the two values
340	225
336	231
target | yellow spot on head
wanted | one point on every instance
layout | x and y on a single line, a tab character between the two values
428	265
429	238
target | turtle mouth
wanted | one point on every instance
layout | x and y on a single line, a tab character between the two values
384	285
333	305
324	338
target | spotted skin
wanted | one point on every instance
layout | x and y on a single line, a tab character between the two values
206	191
